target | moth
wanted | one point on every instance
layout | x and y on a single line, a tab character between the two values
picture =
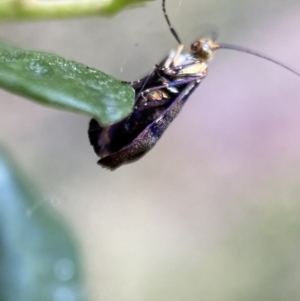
160	97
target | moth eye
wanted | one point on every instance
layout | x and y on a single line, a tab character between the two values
195	47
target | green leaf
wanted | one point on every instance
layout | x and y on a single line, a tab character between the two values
38	256
61	83
117	5
33	9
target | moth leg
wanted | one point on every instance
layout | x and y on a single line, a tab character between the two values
152	97
163	86
184	81
136	84
144	82
155	98
182	66
174	83
168	84
172	59
178	52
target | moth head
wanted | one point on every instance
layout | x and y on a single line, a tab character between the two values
203	49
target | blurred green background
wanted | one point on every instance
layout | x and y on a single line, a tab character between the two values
212	212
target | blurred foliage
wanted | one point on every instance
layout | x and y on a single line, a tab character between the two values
31	9
38	256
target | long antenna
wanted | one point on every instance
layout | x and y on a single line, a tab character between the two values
255	53
173	31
